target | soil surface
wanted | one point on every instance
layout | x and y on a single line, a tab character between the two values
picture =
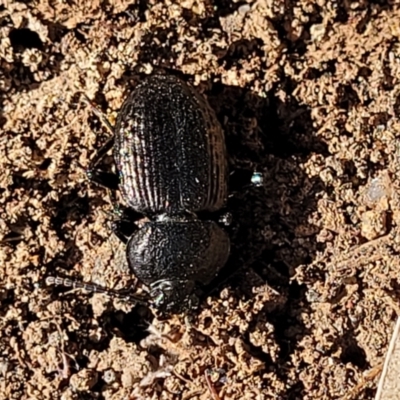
308	94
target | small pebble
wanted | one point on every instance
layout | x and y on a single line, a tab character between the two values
257	179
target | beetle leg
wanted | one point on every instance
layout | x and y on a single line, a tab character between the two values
125	225
225	218
118	229
222	217
242	179
94	174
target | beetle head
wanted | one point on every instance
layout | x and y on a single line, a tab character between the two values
173	296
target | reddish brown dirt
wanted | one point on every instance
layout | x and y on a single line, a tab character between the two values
308	93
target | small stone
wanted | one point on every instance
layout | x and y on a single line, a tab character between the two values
257	179
317	32
373	224
84	380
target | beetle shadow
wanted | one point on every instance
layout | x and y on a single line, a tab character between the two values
272	231
271	221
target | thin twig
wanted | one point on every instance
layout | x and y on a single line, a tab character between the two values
211	387
388	360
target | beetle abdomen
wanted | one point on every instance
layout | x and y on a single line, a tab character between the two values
170	149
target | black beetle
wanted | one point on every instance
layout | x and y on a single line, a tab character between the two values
170	155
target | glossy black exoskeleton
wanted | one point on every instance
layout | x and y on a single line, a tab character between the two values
170	155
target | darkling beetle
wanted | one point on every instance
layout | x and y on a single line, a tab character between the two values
170	155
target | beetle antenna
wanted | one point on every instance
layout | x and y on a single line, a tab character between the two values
94	288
